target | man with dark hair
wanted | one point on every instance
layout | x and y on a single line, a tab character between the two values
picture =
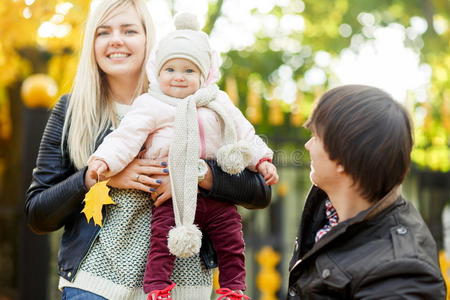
358	237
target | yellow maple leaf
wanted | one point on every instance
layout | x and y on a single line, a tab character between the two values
94	200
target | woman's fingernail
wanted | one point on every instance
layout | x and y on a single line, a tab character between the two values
152	189
165	170
164	164
158	181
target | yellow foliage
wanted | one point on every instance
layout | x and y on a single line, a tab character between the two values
276	116
440	73
444	263
231	89
94	200
254	113
20	26
63	69
296	111
419	156
445	112
5	119
438	159
282	189
420	140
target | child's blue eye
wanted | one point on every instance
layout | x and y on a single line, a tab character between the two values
169	69
129	32
190	71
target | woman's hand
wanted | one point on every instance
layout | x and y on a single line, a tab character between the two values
164	191
141	174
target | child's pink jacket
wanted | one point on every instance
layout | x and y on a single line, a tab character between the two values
150	125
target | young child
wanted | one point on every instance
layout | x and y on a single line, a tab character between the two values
185	116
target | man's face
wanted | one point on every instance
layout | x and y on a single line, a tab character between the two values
324	172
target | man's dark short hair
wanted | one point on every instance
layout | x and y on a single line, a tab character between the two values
368	133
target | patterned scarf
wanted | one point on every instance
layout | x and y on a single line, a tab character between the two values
332	218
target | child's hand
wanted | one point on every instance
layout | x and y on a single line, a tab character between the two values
94	172
269	172
98	166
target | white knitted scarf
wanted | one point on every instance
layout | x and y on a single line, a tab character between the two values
185	239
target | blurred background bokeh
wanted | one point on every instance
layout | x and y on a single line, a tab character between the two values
278	56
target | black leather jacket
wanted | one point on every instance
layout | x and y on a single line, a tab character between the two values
385	252
54	198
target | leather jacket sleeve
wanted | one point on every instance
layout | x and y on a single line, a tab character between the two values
248	189
57	188
407	278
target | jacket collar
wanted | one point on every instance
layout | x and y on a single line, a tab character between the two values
384	203
317	196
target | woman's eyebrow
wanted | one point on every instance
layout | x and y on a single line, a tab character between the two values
128	25
122	25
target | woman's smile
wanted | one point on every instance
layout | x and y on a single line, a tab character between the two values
118	55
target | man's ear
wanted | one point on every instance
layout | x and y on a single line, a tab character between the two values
340	168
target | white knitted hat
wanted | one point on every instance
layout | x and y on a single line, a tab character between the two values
188	42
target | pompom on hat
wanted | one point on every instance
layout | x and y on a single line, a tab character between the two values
188	42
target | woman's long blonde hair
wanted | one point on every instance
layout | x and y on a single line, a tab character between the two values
90	112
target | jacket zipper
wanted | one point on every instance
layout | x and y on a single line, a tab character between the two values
89	250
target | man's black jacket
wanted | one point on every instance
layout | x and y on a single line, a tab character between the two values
385	252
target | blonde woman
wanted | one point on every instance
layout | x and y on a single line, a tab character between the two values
109	262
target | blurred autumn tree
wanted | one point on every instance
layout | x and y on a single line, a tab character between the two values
44	37
25	49
331	28
286	39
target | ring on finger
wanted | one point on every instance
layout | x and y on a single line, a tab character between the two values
137	178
